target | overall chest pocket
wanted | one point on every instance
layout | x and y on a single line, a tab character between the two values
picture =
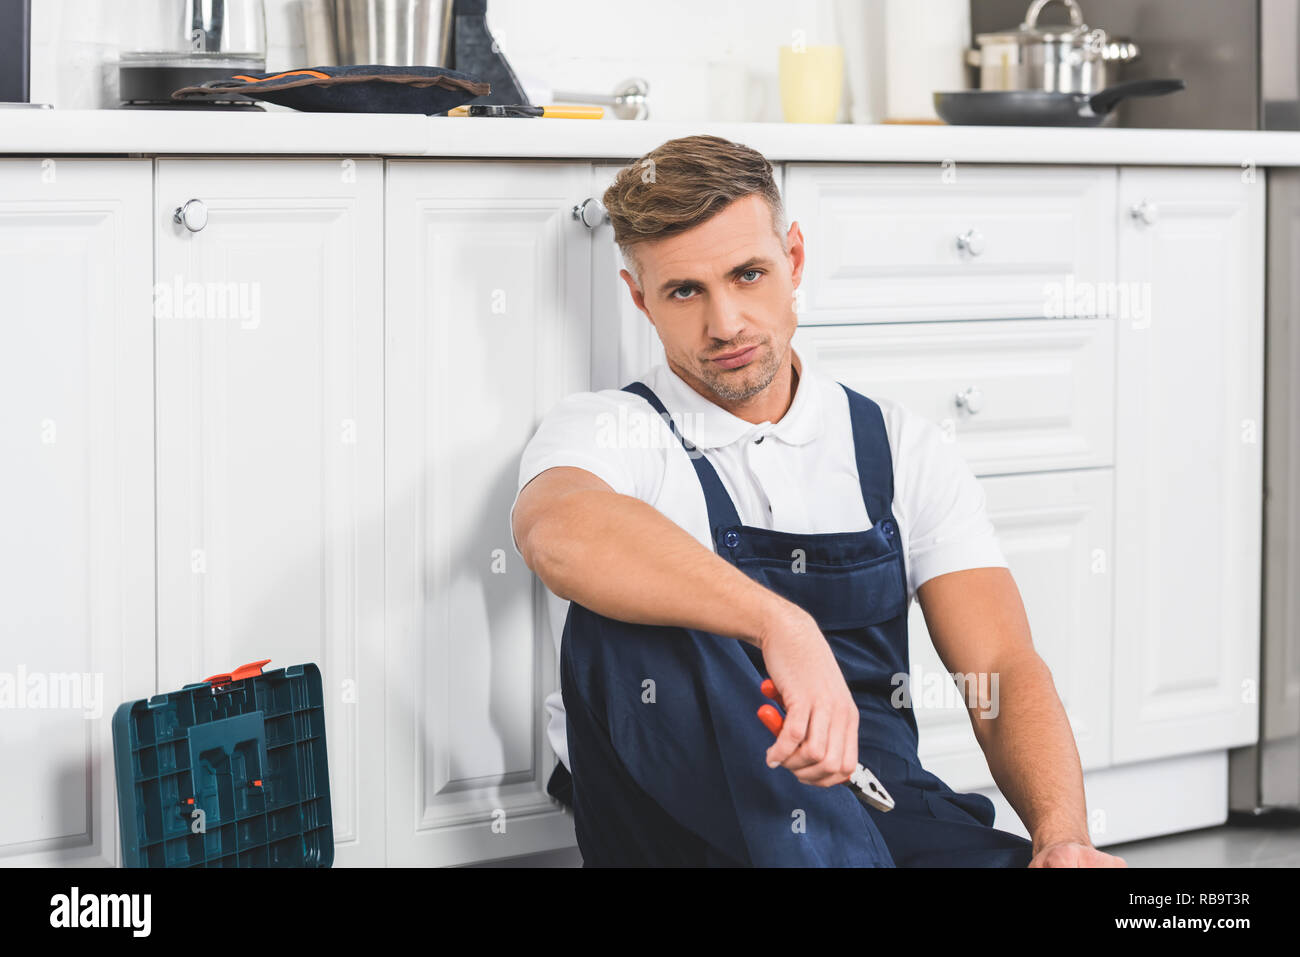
838	596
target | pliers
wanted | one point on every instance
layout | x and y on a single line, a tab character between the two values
866	787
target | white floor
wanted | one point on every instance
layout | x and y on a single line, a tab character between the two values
1224	846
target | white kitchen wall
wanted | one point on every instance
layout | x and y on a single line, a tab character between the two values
710	60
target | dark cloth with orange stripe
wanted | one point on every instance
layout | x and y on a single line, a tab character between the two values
350	89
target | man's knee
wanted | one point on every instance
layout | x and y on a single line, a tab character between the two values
653	672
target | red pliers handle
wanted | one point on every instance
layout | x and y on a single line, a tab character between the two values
864	785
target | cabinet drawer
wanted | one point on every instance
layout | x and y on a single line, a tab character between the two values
884	242
1017	396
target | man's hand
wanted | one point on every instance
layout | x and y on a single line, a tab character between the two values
818	742
1074	854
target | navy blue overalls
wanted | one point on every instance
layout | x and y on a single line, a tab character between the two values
666	752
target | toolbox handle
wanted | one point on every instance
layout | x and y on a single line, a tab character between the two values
240	673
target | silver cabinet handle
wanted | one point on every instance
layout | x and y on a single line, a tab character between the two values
970	398
591	213
1145	212
972	241
193	215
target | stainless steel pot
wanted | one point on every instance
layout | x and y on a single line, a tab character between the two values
384	32
1058	59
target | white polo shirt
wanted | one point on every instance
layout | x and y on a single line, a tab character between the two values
798	474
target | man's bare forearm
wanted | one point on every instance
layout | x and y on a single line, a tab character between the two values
1031	752
622	558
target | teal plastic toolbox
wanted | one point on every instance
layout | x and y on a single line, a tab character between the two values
228	772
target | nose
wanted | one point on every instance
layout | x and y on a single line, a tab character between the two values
724	319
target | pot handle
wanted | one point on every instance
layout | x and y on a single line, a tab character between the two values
1031	18
1105	101
1120	51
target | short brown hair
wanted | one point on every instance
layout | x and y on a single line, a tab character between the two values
682	183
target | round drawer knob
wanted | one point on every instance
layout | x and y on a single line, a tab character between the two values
193	215
1145	212
971	241
591	213
970	398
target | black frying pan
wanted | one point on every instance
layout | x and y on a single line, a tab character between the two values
1040	107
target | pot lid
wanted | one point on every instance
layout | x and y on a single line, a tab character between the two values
1031	32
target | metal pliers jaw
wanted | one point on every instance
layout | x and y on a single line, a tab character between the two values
869	790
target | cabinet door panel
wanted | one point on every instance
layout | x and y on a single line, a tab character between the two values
270	431
1055	531
1189	448
488	326
76	552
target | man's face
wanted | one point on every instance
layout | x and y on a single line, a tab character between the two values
721	297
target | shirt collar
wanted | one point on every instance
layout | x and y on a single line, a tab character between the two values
710	426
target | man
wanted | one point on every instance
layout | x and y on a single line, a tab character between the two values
737	516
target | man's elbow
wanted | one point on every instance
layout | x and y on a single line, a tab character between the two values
554	527
542	543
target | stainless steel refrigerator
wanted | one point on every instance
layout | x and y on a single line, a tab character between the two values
1264	779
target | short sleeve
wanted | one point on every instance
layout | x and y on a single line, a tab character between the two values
940	502
604	433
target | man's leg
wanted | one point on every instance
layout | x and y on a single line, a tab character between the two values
933	826
667	757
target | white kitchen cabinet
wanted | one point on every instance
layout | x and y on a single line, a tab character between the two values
1188	460
77	550
488	325
1016	396
899	243
270	444
295	434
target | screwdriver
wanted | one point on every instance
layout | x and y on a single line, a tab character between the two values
866	787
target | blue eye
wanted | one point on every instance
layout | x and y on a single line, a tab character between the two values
756	272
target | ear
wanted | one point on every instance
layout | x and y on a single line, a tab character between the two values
638	298
794	239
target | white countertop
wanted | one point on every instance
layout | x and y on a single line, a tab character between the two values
110	132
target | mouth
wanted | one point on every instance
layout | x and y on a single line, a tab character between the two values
734	360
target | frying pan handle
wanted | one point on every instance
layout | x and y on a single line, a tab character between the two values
1105	100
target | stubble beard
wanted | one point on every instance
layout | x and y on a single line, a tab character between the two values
757	376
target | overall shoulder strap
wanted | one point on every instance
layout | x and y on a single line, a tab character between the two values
722	511
875	463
